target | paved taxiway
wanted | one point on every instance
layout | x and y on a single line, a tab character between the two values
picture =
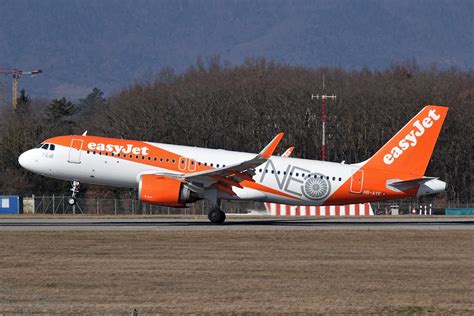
233	223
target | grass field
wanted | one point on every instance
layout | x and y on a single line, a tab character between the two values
331	271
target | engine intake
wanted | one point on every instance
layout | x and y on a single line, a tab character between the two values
164	191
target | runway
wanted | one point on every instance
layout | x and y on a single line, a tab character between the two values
232	223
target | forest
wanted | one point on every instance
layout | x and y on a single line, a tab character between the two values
241	107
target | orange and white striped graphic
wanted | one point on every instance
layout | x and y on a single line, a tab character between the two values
359	209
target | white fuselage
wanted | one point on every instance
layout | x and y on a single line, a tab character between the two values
288	175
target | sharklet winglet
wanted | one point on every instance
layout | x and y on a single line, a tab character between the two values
267	152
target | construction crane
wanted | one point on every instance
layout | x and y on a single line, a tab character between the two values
16	74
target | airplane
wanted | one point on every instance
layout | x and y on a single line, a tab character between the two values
288	152
173	175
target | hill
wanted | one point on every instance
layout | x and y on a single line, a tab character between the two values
109	44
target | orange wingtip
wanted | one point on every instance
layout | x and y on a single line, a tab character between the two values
267	152
288	152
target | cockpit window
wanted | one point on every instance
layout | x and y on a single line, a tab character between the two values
39	146
52	147
45	146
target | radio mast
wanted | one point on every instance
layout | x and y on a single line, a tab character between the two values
323	98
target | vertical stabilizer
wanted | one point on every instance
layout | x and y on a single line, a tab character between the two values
410	150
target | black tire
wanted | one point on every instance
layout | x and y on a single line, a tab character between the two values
71	201
216	216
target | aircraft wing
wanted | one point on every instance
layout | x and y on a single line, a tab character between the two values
230	176
288	152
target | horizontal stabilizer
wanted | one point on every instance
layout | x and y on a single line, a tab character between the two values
408	184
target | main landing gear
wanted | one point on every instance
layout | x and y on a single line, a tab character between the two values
75	190
216	216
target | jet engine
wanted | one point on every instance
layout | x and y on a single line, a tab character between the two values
164	191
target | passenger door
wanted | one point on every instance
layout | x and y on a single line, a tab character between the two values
75	151
357	181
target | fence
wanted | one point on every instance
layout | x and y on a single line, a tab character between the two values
58	205
99	206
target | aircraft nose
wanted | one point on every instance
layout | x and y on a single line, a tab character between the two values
21	159
25	160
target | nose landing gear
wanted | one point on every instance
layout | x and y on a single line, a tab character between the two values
75	190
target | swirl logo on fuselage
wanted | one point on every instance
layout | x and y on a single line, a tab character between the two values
316	186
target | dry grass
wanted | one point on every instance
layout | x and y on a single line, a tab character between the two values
408	272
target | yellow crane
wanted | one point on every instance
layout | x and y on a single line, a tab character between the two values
16	74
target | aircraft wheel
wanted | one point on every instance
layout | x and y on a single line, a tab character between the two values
71	201
216	216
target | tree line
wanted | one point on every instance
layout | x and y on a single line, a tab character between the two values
241	107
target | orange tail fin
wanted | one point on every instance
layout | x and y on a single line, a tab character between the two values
409	151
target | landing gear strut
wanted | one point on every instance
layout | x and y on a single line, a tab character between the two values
75	190
216	216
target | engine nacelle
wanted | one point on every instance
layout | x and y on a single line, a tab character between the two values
164	191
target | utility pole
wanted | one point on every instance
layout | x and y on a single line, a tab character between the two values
323	98
16	74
